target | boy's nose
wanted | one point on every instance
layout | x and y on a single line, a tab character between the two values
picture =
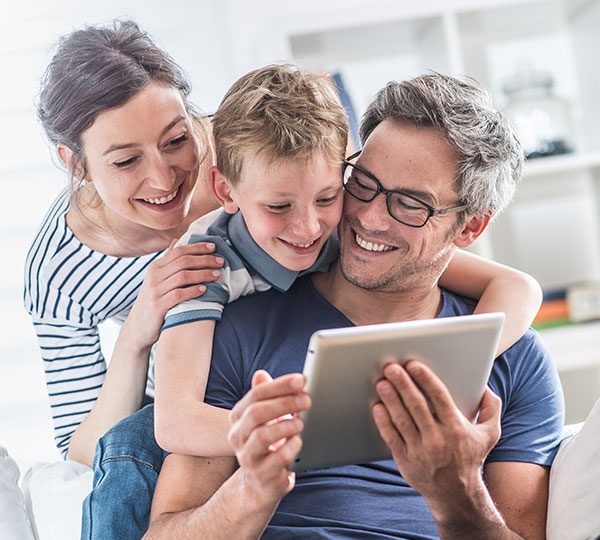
308	225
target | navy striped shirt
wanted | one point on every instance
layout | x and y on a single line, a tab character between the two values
69	290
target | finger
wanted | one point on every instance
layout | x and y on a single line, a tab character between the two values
261	376
267	438
271	464
396	410
435	391
412	397
489	413
291	383
263	412
172	244
195	249
191	261
179	296
387	430
186	278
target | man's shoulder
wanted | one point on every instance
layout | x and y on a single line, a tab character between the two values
455	305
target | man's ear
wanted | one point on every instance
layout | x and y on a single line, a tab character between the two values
221	188
70	161
471	230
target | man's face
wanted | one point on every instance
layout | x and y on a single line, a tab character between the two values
380	253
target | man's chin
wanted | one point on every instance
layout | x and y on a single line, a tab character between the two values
360	279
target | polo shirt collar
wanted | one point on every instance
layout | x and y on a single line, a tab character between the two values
279	277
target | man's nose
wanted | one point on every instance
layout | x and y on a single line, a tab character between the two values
374	215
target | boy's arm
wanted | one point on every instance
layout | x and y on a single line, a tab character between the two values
498	288
184	424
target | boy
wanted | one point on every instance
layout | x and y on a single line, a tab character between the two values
280	137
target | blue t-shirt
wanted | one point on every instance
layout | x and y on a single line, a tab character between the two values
271	331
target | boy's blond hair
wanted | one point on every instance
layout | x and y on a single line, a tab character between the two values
282	112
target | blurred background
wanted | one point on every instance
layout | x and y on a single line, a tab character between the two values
538	58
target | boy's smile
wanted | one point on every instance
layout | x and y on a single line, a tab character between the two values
291	207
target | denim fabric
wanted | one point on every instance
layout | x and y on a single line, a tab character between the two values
126	467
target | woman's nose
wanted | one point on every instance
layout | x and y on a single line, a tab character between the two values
161	175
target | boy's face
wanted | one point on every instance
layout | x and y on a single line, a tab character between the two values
291	207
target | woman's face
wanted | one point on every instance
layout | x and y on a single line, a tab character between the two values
142	159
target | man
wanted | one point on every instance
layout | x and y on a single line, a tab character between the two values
431	145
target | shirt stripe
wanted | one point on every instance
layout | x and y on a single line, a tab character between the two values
69	290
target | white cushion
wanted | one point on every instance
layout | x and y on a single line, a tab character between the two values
13	517
574	502
54	493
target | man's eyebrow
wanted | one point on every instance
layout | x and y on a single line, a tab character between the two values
421	195
172	123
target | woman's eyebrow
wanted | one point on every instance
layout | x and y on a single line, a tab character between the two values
114	147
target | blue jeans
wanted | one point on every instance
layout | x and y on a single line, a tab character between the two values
126	467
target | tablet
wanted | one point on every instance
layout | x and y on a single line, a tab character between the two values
342	366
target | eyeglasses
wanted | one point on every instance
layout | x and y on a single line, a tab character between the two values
405	208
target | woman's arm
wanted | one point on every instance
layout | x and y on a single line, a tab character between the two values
168	282
184	424
498	288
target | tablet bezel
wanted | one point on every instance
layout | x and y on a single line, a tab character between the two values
343	364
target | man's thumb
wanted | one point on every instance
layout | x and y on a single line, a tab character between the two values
260	376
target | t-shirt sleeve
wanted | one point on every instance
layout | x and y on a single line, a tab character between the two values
74	367
226	380
532	403
234	281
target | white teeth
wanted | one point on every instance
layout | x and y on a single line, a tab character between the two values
370	246
163	200
303	245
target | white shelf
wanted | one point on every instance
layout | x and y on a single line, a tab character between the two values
574	347
561	164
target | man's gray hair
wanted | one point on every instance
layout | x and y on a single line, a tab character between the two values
491	158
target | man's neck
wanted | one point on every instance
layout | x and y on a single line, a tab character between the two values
363	306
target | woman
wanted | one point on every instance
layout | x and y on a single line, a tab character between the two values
116	108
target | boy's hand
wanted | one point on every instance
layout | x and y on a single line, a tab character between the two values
265	433
437	450
174	278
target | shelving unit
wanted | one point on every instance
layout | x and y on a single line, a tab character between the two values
552	228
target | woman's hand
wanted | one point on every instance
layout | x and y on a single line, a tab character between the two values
174	278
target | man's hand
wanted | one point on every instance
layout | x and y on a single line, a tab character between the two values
437	450
265	433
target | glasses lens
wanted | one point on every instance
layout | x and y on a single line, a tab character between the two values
407	210
358	184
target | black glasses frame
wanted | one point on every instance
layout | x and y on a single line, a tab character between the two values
432	211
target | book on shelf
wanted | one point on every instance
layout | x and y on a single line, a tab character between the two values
578	303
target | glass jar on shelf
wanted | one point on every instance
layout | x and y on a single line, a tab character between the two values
541	119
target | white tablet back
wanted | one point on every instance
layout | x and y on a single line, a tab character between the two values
343	364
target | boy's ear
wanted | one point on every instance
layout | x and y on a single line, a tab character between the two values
70	161
221	188
471	230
